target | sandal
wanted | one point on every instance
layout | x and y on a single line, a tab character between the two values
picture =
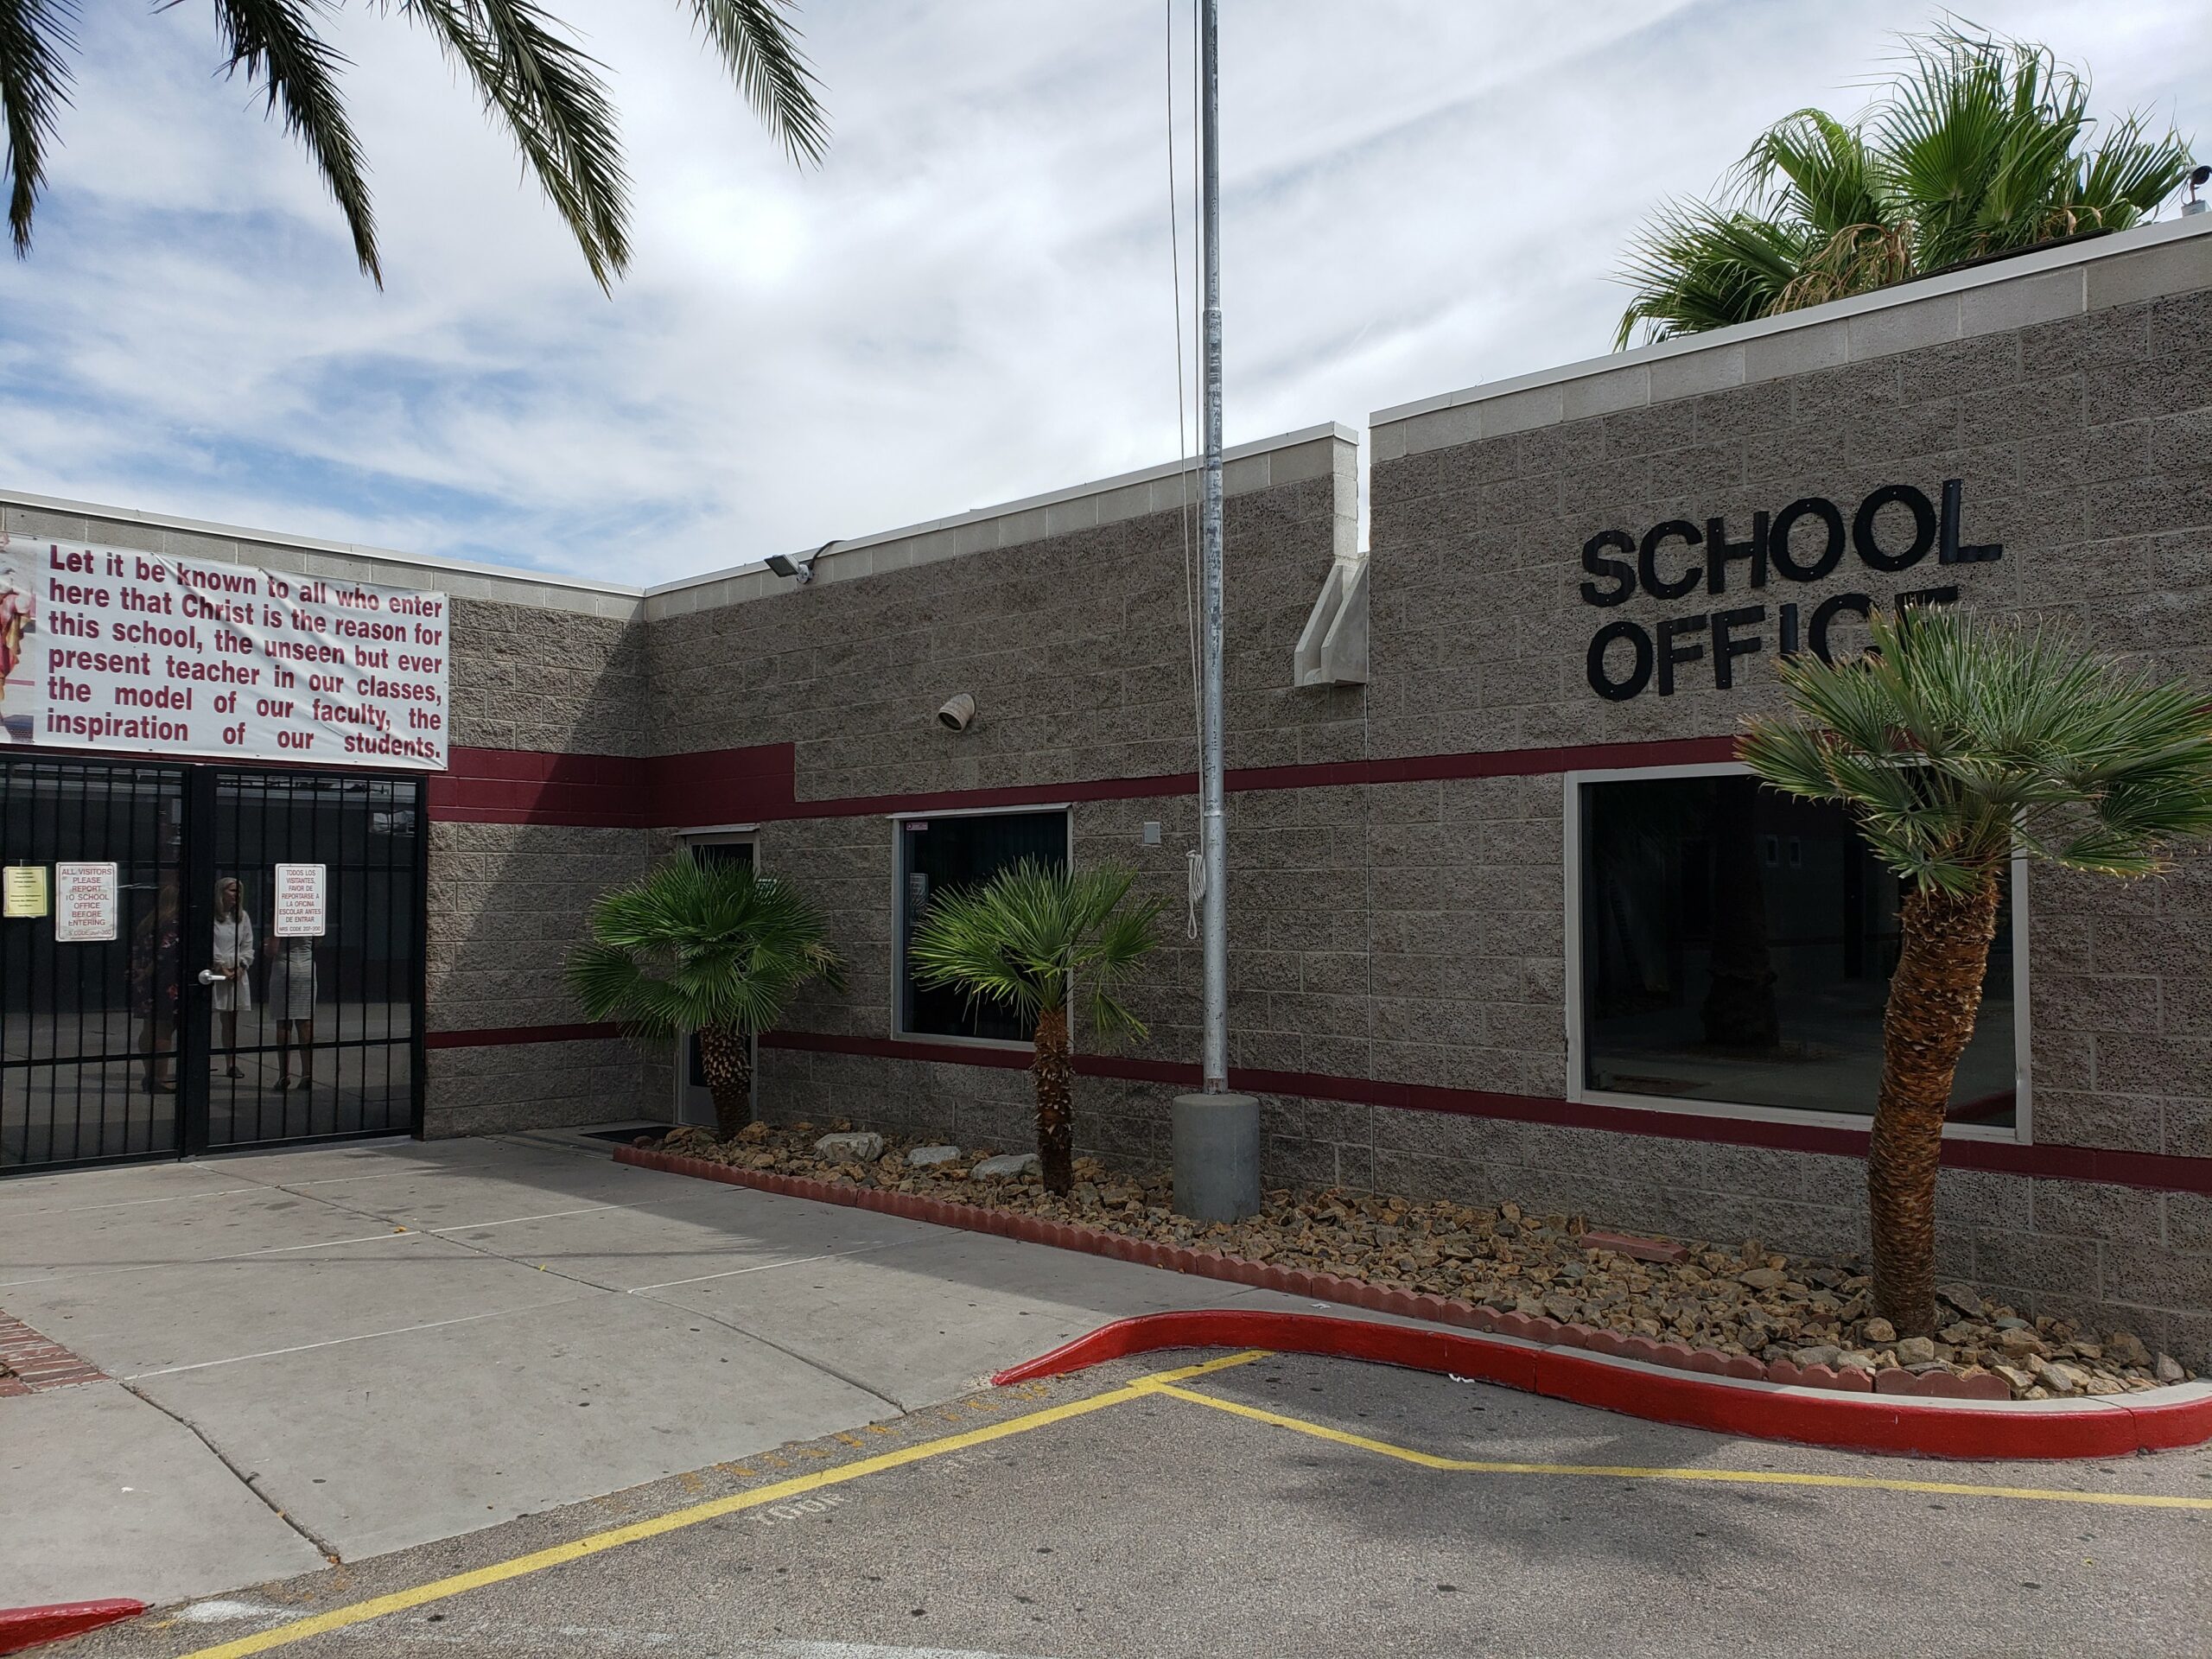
234	1072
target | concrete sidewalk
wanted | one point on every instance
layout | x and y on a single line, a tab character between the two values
341	1351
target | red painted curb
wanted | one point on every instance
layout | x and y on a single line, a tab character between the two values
1906	1425
27	1627
1664	1382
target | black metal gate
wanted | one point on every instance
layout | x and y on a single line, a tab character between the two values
199	1025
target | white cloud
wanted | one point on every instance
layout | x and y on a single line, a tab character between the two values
968	302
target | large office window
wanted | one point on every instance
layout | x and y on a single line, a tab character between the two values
1736	946
940	855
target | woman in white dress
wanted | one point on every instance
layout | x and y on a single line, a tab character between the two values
292	1005
233	946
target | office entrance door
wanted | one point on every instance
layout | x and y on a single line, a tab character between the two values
248	970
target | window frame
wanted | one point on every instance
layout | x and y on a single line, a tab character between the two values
1578	1089
898	820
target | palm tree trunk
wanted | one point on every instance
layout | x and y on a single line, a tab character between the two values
1934	996
1053	1072
726	1060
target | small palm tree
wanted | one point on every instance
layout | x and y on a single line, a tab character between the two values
1022	940
532	78
1955	743
711	949
1980	147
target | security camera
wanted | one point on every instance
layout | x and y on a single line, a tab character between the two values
958	712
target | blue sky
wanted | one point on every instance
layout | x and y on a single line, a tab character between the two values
969	302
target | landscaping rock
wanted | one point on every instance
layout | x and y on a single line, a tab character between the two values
1751	1308
1008	1165
864	1147
2127	1350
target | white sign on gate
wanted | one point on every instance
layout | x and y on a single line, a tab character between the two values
300	894
112	648
84	903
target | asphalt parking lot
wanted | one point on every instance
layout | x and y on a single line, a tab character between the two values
1263	1505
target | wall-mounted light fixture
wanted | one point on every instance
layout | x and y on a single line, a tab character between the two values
957	713
801	570
2197	178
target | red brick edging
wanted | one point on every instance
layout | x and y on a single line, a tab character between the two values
38	1364
2170	1417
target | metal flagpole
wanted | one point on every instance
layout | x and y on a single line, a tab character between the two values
1216	1134
1213	833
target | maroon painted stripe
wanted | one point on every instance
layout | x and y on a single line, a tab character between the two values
2159	1172
2162	1172
758	784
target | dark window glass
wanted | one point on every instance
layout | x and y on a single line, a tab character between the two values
1737	945
940	855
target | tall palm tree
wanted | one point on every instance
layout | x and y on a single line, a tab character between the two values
1980	147
1023	940
711	949
1955	743
531	74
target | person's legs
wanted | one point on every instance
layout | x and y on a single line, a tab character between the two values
306	1053
231	1040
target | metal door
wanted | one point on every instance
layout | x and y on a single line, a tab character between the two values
313	1032
207	1021
88	1031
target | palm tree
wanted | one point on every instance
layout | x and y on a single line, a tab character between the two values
706	948
530	74
1021	940
1982	147
1955	743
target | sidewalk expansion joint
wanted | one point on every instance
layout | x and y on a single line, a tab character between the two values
251	1482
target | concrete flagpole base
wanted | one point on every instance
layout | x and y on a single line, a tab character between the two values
1216	1147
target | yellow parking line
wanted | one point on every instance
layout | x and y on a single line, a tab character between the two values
360	1612
1164	1384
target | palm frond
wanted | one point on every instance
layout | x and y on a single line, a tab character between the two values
693	944
544	89
33	86
275	42
760	47
1025	939
1981	145
1956	742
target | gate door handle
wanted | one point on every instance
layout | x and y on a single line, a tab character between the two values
209	976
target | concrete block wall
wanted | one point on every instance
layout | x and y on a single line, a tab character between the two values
1073	639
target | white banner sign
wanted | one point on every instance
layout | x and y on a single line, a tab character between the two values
299	905
110	648
83	903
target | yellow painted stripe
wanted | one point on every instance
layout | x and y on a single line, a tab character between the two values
1164	1384
399	1601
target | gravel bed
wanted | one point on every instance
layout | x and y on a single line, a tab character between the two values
1739	1300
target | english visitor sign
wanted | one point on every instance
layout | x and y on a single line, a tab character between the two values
112	648
1893	529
